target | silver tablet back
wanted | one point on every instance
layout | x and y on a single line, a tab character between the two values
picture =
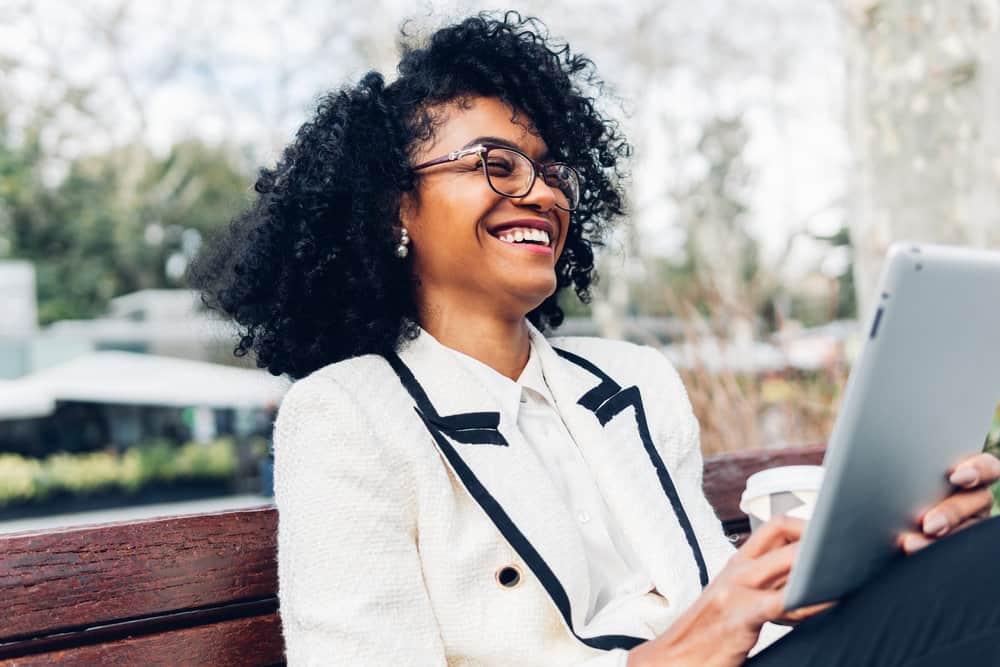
920	397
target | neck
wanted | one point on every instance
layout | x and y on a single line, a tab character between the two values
502	344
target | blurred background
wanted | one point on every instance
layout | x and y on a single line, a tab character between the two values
780	147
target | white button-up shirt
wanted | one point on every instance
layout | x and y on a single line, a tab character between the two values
616	574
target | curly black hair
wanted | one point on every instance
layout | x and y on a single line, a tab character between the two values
309	272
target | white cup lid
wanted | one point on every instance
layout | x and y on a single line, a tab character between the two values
783	478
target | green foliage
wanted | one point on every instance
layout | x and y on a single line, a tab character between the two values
571	304
719	259
847	300
111	225
195	461
80	474
25	479
259	448
19	478
151	463
993	447
993	437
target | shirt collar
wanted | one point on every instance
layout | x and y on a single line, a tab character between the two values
505	390
533	378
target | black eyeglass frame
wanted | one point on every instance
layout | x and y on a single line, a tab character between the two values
482	150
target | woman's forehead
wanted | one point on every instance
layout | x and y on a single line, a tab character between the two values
470	120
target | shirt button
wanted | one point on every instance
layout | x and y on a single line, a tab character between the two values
583	517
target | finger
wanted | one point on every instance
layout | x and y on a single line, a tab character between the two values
802	613
770	605
978	470
780	582
773	534
771	568
911	542
954	510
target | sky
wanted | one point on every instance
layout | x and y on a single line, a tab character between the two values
247	73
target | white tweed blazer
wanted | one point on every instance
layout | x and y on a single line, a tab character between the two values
417	527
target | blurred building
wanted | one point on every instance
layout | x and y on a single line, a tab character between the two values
154	366
166	322
156	321
123	398
693	345
17	299
19	323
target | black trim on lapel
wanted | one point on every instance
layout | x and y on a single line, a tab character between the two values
609	399
495	512
597	396
470	428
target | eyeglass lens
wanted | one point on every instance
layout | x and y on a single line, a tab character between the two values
511	174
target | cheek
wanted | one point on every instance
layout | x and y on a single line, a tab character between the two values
450	226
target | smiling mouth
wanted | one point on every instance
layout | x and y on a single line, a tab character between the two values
524	235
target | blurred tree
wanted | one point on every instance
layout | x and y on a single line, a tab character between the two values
846	305
19	181
687	70
116	71
194	189
924	123
33	226
88	242
712	210
719	276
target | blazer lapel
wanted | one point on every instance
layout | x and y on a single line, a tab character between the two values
480	441
609	424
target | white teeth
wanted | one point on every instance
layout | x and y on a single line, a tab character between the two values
525	234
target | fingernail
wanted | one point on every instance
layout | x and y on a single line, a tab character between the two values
964	477
915	543
935	524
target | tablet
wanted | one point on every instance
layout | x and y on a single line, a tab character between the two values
920	397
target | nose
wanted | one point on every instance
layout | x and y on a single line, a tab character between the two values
541	196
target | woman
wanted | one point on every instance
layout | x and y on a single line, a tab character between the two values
453	487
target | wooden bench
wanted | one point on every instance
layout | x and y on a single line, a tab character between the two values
196	590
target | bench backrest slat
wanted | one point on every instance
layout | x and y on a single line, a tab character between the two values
64	579
234	643
197	590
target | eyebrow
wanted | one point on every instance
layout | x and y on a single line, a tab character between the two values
504	142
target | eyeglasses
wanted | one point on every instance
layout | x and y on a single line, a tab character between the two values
511	173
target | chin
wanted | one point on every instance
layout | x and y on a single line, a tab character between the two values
535	295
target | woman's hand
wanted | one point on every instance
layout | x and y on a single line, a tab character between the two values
969	503
723	624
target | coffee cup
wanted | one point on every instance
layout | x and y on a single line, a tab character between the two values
790	490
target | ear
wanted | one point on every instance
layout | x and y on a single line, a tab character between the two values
408	208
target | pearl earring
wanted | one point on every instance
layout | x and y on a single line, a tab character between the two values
404	240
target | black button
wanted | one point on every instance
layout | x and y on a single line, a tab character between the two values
508	576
